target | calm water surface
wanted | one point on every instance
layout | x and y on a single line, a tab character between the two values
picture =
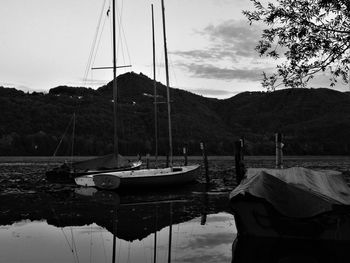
45	222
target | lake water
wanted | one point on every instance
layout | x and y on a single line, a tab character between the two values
45	222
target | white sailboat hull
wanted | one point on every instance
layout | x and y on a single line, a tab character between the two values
140	178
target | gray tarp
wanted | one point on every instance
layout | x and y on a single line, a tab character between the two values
103	162
296	191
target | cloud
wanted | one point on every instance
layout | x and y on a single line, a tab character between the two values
212	92
16	85
7	84
231	39
211	240
239	36
208	247
210	54
91	82
204	258
214	72
231	42
201	55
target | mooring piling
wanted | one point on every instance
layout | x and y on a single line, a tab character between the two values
279	152
147	160
205	161
167	161
184	151
239	158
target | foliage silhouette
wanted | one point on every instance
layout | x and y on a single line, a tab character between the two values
313	37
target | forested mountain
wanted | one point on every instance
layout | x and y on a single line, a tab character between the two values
314	121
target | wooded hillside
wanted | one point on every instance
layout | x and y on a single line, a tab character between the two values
314	121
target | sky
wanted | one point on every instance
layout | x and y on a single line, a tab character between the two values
47	43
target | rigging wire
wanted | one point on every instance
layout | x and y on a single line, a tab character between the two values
64	134
176	242
160	67
74	245
144	250
103	245
121	33
111	32
92	49
119	21
61	228
172	66
128	258
99	40
71	230
90	243
120	247
121	46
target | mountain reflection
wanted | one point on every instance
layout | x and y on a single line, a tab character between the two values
92	224
129	217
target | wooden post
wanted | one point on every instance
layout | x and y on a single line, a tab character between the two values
184	150
240	170
279	153
147	160
167	161
205	161
203	219
204	206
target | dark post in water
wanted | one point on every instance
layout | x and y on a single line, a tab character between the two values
279	153
205	160
167	161
147	160
184	151
239	158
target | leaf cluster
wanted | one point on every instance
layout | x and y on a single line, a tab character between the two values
312	35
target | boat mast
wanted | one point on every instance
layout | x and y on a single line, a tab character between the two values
168	91
170	230
73	139
115	137
155	92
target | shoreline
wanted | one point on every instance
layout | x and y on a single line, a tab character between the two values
49	159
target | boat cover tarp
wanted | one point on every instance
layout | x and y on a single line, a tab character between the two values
297	191
103	162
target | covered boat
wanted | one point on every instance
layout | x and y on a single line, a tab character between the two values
292	203
102	164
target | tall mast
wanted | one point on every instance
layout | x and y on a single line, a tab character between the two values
155	92
167	90
115	137
73	139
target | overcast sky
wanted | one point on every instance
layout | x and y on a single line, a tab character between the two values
46	43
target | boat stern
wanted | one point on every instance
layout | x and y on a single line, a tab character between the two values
86	181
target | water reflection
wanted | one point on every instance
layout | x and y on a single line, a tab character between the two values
97	226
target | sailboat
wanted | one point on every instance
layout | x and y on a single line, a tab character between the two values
150	178
107	163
